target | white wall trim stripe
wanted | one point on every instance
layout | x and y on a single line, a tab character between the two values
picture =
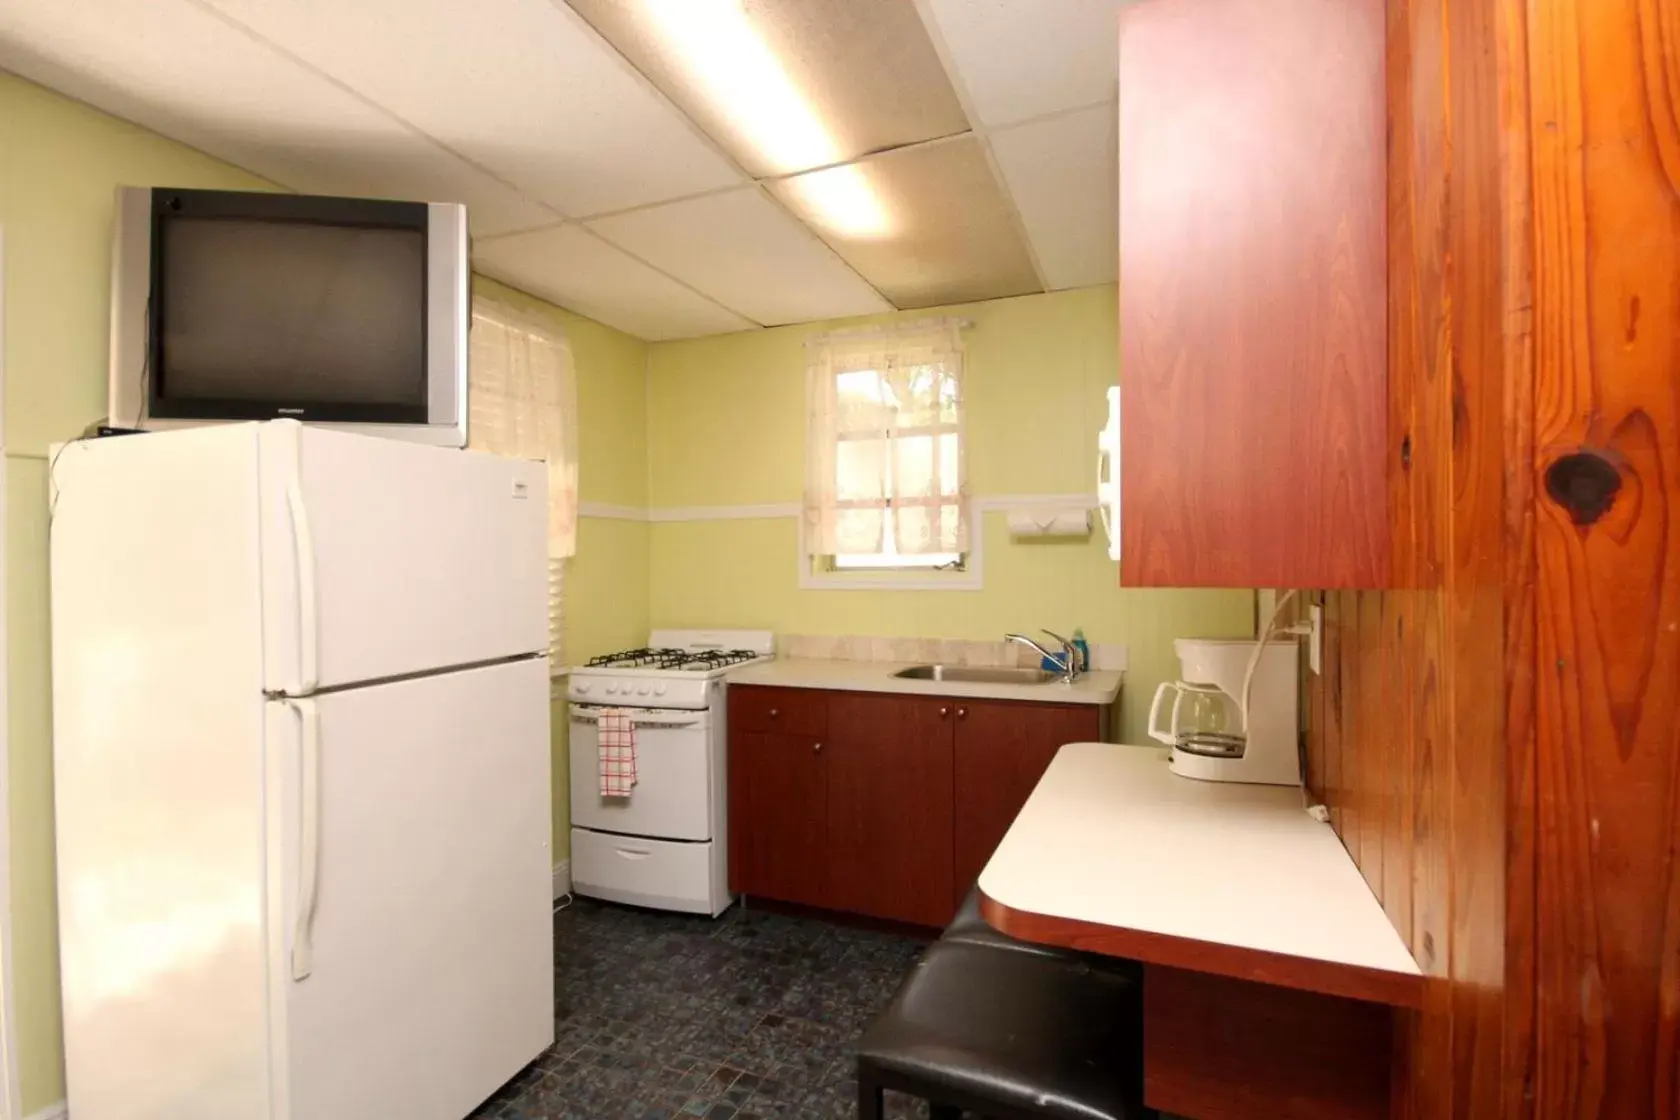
985	503
562	879
611	512
725	513
52	1112
994	503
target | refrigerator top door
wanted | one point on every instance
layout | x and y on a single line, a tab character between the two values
384	559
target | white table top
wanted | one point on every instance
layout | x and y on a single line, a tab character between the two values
1111	836
877	676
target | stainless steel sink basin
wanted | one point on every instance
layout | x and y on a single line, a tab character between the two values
975	674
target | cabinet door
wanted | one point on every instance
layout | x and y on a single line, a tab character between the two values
889	806
1254	416
1002	750
777	817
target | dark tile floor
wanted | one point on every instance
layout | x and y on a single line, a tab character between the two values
753	1015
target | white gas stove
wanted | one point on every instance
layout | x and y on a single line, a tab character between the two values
663	845
674	670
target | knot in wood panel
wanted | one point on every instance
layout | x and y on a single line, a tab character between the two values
1583	483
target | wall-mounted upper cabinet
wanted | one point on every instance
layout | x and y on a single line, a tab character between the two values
1254	402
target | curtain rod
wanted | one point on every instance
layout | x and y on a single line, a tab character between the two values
885	329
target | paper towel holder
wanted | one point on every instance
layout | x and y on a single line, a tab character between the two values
1049	522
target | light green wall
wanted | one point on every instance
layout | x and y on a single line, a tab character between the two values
726	427
607	581
59	164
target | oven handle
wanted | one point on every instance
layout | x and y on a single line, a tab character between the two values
592	717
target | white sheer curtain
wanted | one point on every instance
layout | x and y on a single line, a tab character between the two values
884	442
522	403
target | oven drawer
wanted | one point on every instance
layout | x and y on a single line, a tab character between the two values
664	874
792	711
673	794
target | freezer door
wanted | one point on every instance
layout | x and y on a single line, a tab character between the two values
383	558
410	941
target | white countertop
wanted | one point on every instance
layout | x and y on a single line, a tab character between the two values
877	676
1111	836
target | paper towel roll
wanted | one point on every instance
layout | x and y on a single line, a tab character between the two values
1061	522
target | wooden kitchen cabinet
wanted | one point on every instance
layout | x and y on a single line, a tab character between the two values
778	844
881	804
1001	750
890	806
1254	396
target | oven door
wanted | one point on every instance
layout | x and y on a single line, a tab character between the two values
673	794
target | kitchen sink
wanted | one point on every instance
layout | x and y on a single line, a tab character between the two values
975	674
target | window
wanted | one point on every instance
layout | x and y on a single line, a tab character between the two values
522	403
885	484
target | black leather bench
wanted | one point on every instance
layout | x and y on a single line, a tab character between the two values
1013	1031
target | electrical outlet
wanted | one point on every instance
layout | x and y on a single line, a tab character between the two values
1315	643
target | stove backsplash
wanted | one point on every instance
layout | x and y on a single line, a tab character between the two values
943	651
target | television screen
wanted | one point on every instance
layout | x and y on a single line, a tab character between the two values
279	312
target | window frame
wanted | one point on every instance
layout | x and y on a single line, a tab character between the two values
817	573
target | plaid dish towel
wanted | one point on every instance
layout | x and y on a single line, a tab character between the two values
616	738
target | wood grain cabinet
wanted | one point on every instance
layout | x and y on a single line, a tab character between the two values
881	804
890	806
1001	750
1254	400
778	820
777	817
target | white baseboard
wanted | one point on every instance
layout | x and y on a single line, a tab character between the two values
562	885
52	1112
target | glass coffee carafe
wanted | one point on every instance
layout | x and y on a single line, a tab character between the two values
1204	720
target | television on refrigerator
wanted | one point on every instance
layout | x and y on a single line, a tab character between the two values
240	305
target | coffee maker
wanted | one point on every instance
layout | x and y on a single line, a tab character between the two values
1204	725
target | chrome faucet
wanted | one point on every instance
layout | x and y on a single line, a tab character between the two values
1067	661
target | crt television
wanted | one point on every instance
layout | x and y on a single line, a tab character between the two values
240	305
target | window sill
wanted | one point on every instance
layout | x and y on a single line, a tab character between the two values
898	579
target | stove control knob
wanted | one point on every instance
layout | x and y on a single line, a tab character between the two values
581	688
659	690
611	688
643	689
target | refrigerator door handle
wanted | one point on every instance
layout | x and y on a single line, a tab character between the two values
309	837
303	544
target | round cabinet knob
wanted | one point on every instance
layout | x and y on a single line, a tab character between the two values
943	712
962	713
816	748
774	713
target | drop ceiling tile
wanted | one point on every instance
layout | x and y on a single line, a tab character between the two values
1022	58
572	267
521	87
180	71
1063	174
925	226
853	77
743	250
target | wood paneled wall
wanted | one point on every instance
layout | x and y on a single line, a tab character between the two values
1498	736
1604	472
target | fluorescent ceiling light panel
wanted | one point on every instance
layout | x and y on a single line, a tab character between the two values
842	202
729	61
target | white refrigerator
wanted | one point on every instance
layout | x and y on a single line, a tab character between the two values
301	751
